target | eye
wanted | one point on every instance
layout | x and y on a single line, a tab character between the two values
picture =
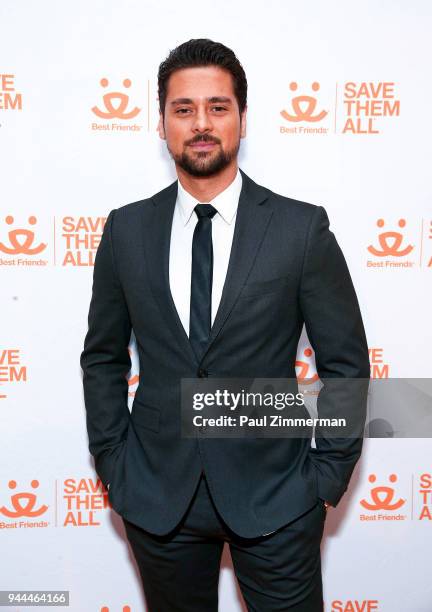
182	111
219	108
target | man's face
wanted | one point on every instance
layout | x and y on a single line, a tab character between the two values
202	124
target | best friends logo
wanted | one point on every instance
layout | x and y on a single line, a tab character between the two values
363	108
20	242
75	244
305	367
382	502
117	105
304	108
23	505
387	500
73	502
399	244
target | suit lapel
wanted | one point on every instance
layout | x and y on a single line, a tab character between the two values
251	223
157	245
250	226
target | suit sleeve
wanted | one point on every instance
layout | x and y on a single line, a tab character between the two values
105	360
335	329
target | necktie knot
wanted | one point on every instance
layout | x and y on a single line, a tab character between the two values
205	210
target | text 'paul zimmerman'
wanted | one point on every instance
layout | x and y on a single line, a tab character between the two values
235	401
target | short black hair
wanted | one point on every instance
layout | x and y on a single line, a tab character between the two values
202	52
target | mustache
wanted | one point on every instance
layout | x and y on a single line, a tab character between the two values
203	138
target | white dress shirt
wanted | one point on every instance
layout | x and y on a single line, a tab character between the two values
180	260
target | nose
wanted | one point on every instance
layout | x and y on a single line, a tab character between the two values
202	123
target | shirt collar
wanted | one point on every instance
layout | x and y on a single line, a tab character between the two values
225	202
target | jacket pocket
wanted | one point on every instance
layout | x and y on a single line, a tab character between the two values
263	287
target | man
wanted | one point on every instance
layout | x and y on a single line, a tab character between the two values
216	276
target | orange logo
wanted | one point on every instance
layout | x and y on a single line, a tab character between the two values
354	605
390	248
23	247
113	110
23	510
124	609
309	106
382	496
81	238
363	105
84	499
365	102
133	375
378	368
425	492
303	368
133	378
9	100
11	370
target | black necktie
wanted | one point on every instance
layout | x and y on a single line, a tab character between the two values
202	279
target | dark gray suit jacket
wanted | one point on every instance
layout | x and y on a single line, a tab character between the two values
285	269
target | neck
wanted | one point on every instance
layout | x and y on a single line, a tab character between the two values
205	188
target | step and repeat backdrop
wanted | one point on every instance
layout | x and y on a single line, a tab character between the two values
338	115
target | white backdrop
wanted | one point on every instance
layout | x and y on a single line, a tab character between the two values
360	145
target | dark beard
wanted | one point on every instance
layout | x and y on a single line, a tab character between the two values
204	164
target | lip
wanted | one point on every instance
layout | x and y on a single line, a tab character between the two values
203	145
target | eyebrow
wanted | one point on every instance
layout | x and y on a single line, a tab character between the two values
212	100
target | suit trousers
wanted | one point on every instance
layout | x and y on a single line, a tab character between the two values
276	572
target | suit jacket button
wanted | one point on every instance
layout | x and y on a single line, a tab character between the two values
202	373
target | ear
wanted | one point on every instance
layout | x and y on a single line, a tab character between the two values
160	127
243	123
